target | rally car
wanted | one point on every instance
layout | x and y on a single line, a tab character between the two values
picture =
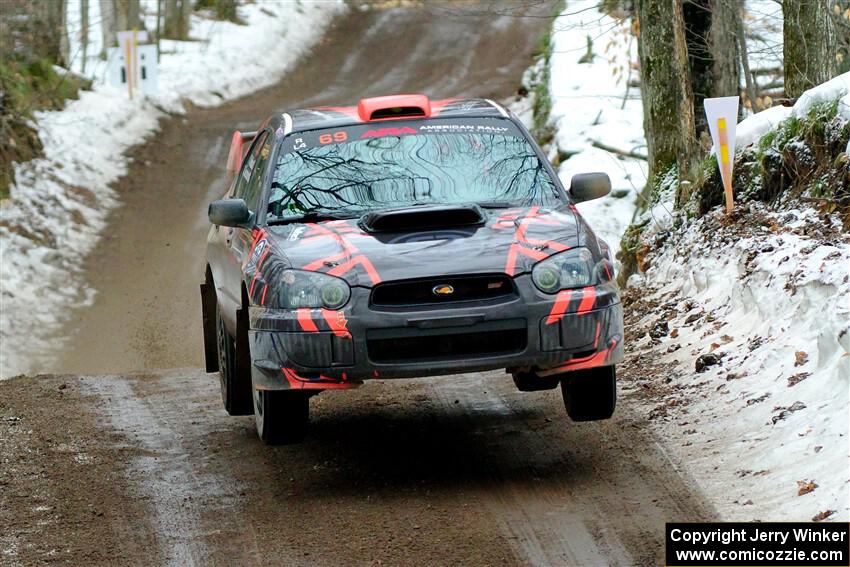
397	238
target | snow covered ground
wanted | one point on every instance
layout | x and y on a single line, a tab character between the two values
59	203
593	105
748	322
753	321
762	303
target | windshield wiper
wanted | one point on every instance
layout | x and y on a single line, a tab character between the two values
496	204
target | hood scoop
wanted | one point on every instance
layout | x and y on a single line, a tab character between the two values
422	218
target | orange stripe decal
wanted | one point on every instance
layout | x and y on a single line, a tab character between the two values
562	302
337	322
305	319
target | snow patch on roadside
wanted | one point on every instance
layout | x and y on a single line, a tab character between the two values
60	202
755	324
592	107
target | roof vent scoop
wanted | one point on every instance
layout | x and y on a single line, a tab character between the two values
428	217
394	107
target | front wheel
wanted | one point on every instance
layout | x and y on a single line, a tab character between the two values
590	395
281	416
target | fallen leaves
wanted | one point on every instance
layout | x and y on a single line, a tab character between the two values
786	411
820	516
797	378
805	486
800	358
759	399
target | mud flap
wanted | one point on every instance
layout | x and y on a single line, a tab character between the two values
208	312
241	387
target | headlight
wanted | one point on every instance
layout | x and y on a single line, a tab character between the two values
566	270
311	289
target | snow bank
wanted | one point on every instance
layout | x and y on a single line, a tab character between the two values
751	324
837	88
592	107
771	304
751	129
59	202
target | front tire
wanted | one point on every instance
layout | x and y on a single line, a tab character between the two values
590	395
235	380
281	416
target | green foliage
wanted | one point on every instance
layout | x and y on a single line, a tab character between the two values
632	250
25	87
222	9
801	159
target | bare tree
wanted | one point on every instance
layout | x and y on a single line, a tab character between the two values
127	15
107	26
34	30
810	44
710	27
84	32
176	25
668	109
115	16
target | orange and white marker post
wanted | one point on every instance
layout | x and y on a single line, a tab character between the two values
722	114
129	45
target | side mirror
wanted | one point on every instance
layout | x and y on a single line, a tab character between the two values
589	186
229	212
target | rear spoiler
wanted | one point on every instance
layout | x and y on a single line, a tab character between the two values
238	147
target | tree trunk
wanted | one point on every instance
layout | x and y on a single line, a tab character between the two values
668	110
107	26
54	36
712	52
725	16
749	81
64	45
688	146
185	13
225	10
810	44
176	24
84	32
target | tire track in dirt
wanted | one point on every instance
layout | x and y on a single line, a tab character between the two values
591	493
395	472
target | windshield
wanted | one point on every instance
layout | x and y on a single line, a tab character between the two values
348	171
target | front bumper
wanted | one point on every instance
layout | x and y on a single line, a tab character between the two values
321	349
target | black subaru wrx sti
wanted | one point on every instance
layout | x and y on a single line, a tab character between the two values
403	237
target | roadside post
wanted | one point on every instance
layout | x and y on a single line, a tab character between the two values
722	115
133	64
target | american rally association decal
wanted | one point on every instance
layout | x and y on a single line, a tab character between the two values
481	128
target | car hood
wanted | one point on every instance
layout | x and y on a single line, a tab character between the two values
510	241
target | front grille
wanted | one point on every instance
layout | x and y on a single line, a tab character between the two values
463	288
457	345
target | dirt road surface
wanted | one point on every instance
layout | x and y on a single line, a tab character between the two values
111	462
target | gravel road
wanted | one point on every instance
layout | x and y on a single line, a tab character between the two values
125	456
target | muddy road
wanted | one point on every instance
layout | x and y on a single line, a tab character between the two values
118	458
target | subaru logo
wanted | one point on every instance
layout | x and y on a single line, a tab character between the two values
444	289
